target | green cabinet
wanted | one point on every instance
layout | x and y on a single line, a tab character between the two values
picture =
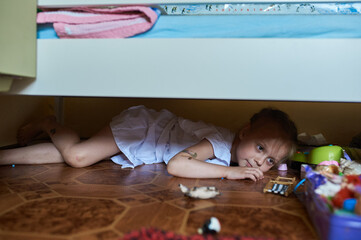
17	41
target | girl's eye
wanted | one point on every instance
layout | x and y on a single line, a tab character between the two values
270	161
260	148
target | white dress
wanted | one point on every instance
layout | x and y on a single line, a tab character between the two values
146	136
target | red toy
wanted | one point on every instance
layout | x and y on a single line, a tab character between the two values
347	191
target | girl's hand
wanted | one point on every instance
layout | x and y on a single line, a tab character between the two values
243	173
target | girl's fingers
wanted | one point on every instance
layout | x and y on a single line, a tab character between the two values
258	174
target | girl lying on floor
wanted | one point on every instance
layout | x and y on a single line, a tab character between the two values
144	136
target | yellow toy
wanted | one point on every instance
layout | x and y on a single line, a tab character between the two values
281	185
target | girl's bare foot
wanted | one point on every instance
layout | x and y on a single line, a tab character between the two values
33	129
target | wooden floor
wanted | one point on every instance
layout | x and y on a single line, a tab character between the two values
54	201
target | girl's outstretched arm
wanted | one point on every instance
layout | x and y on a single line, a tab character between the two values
190	163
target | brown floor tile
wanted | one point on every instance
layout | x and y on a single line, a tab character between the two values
19	188
166	195
191	203
251	221
293	206
20	181
20	171
91	190
158	215
32	190
166	180
250	199
4	236
8	201
116	177
61	216
144	188
234	185
104	202
102	235
4	189
137	200
61	173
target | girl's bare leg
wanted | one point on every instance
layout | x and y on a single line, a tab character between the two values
68	144
77	153
36	154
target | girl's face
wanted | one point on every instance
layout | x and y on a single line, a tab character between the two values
262	147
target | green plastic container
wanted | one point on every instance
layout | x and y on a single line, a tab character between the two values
319	154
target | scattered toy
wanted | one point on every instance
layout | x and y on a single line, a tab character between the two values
281	185
211	226
282	167
328	167
350	167
200	192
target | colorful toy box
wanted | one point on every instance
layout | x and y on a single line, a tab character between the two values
330	226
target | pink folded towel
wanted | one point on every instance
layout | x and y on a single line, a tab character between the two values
119	22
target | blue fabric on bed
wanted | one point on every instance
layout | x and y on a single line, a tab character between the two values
256	26
248	26
46	31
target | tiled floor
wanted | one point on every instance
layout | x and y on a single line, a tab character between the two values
54	201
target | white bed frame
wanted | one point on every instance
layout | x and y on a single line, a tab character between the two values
244	69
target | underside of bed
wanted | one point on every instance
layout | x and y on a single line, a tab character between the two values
259	69
287	69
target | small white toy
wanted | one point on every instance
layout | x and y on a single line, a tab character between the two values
211	226
200	192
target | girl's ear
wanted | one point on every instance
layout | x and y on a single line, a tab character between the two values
244	131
